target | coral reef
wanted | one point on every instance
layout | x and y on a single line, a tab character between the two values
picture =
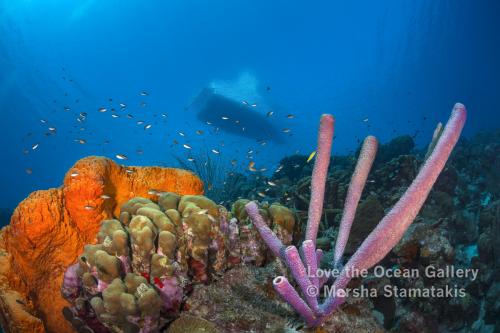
49	229
243	300
233	292
137	276
377	244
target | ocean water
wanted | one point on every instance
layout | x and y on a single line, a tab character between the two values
242	84
384	68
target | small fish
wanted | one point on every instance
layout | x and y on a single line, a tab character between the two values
263	169
211	218
365	120
115	115
187	146
52	129
254	105
88	207
182	134
140	122
215	151
102	110
270	113
250	151
121	157
74	174
152	192
129	171
234	162
29	171
311	156
290	116
43	121
164	115
105	197
371	181
209	123
130	116
199	132
270	183
144	93
285	130
261	194
81	141
123	105
203	211
35	146
244	102
251	166
190	159
148	126
224	118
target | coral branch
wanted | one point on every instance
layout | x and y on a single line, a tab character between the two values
358	181
320	171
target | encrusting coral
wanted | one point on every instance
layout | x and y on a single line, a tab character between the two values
137	276
49	229
377	244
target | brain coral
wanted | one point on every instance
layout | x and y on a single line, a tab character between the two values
49	229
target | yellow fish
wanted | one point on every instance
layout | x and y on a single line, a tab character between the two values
311	156
251	166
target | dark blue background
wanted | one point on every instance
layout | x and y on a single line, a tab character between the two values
401	64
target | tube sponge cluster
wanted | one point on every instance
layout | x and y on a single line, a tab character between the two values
378	243
137	275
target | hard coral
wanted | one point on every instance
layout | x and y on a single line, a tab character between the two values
137	276
49	229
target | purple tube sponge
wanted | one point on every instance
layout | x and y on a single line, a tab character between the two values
378	243
319	175
358	181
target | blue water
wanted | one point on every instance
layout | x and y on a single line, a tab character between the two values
381	67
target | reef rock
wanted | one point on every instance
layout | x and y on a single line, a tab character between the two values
49	229
243	300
